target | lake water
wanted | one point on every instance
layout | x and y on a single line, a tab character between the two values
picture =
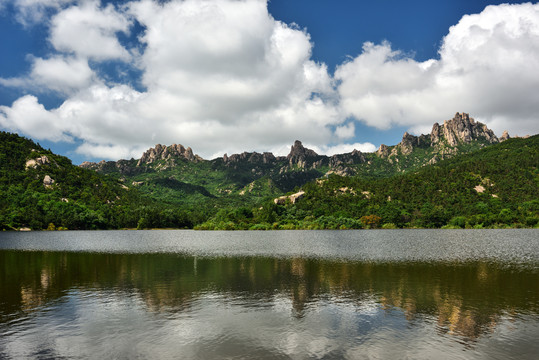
380	294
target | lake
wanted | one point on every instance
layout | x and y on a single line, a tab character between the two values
366	294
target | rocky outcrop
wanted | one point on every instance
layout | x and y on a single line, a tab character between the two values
34	163
505	136
355	157
161	152
126	167
252	158
300	155
90	165
48	181
383	151
410	142
341	171
153	155
407	143
461	129
282	200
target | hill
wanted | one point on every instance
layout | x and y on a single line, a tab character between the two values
497	186
459	175
41	190
174	175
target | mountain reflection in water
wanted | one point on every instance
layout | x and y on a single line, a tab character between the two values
460	301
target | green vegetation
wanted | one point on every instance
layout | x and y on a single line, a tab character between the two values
485	186
73	198
495	187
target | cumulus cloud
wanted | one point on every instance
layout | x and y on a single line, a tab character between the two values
488	66
345	131
80	33
233	62
219	75
344	148
63	74
89	30
30	12
29	117
225	76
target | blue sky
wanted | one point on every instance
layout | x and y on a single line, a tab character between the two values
339	28
106	80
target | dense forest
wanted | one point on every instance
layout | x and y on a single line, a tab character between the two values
497	186
41	190
492	186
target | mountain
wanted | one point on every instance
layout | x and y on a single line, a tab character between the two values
40	190
459	175
494	187
174	174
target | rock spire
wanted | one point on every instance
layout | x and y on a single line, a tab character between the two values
161	152
299	155
461	129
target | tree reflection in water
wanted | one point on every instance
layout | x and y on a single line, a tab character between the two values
464	299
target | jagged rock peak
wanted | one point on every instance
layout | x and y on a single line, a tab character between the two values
461	129
162	152
297	150
299	154
383	151
407	143
254	157
354	157
505	136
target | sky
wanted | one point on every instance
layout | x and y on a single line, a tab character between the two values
96	79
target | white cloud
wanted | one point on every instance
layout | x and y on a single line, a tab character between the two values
343	148
29	117
62	73
231	59
15	82
81	33
101	151
221	76
58	73
346	131
488	67
89	30
224	76
30	12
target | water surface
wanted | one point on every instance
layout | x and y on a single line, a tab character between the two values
298	294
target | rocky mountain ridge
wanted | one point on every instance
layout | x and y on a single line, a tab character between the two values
161	152
177	167
460	130
491	187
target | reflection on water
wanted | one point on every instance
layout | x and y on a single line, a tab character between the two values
98	305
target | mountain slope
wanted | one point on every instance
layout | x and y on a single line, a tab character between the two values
41	190
173	174
481	183
497	186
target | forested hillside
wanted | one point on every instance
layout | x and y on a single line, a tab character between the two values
174	175
487	185
41	190
497	186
